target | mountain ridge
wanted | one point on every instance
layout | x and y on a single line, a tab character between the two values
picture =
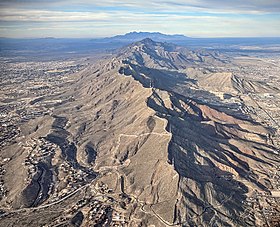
170	151
198	131
138	36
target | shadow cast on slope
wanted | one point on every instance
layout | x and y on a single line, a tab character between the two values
206	160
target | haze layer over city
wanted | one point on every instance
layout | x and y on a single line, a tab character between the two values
140	114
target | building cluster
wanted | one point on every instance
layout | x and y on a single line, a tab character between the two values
67	179
8	133
269	113
103	188
37	150
262	206
104	207
3	190
99	213
271	209
23	86
104	214
275	179
40	68
98	208
118	219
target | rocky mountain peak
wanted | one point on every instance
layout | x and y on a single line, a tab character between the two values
150	53
147	41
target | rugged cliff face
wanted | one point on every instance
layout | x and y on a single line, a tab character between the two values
159	136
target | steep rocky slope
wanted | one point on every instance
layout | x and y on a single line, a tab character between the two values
155	135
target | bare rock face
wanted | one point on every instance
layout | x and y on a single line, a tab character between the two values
170	149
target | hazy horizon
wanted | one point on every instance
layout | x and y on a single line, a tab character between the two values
122	34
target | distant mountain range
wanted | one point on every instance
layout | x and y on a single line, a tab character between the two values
137	36
50	47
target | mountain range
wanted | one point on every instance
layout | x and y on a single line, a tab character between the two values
168	135
137	36
61	48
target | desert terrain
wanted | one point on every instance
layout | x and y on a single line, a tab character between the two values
153	134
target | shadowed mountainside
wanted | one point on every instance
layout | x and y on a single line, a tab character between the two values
215	157
138	121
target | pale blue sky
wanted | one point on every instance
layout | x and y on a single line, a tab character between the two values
85	18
